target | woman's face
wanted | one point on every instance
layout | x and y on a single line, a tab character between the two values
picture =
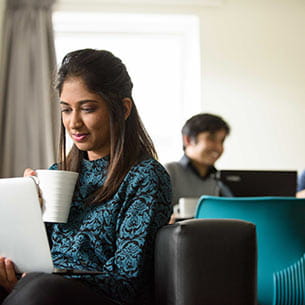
86	118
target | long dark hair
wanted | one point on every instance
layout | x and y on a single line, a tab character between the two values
106	75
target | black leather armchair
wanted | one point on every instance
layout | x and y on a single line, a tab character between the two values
206	262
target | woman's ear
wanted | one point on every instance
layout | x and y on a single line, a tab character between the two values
127	103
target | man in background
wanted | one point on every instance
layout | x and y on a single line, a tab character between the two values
203	137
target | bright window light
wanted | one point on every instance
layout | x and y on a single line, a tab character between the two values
161	53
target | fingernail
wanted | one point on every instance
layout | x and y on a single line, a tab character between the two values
7	261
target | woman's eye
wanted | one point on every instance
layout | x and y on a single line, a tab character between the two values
88	109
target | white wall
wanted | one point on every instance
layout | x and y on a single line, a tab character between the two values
254	74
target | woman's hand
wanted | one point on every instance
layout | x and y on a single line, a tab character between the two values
8	278
30	172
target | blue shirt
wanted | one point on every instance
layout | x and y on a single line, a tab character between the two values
115	237
301	181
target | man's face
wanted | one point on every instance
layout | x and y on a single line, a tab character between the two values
206	148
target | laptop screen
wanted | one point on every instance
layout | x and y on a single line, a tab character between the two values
246	183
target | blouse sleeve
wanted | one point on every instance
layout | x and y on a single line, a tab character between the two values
301	181
146	208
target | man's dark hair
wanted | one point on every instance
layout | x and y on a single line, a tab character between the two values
204	122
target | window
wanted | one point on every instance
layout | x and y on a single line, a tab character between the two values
161	53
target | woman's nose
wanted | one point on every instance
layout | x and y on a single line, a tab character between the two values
75	120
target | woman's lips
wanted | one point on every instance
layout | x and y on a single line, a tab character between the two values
80	137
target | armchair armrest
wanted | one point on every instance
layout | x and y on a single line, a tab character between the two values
206	262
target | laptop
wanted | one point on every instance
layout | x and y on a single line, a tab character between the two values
23	236
254	183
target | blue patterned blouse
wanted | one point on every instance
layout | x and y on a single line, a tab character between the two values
117	236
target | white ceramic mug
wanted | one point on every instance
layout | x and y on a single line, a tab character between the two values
57	188
187	207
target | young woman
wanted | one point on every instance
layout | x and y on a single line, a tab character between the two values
122	197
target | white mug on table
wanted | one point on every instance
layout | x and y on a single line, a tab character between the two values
187	207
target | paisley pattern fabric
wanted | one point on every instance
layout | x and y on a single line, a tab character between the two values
117	236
